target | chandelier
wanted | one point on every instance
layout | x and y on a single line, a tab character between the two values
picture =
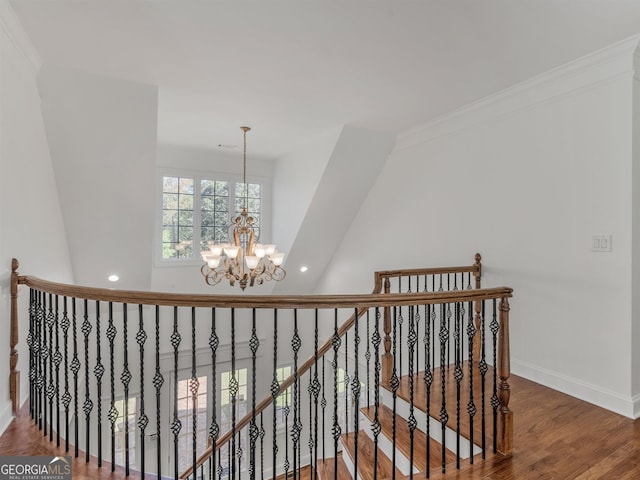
244	261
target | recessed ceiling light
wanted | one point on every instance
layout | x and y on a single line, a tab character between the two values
113	278
304	268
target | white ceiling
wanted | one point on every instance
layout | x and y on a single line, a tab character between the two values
295	69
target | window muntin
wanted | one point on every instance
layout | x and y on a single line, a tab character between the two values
197	210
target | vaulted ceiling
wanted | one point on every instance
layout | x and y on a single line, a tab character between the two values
295	69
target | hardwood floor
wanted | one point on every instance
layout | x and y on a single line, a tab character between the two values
556	437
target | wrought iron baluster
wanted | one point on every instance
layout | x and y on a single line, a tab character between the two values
483	367
143	420
254	344
50	384
471	407
262	435
40	343
297	424
233	392
400	321
428	380
494	326
30	337
98	371
176	424
88	404
57	360
367	356
444	417
214	429
355	387
125	378
323	405
345	380
275	391
113	411
75	368
411	420
376	427
158	380
315	390
194	385
458	375
336	431
394	382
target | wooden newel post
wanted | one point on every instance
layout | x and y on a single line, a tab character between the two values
14	374
387	357
505	415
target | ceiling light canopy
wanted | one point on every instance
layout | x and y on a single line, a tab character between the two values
244	261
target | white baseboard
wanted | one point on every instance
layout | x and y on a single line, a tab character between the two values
6	415
607	399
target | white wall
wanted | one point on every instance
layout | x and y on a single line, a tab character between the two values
31	227
102	136
525	177
635	338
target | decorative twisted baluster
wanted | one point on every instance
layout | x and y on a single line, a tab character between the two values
98	371
428	379
194	385
233	393
158	380
376	427
57	360
315	388
275	389
394	383
346	383
367	356
444	416
483	367
254	344
495	402
51	385
458	374
335	430
176	424
87	407
75	368
412	423
296	428
214	429
471	407
113	411
143	420
355	388
125	378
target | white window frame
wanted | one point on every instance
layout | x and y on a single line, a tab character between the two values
198	175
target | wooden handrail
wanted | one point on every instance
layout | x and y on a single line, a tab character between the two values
261	301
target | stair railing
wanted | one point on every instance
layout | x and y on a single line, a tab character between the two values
67	323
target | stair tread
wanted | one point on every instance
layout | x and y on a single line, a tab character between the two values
385	417
326	469
420	399
366	457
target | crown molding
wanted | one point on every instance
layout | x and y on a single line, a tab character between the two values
12	29
607	64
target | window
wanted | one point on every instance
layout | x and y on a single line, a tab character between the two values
197	210
119	430
284	399
185	414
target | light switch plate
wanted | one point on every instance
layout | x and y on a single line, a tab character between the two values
601	243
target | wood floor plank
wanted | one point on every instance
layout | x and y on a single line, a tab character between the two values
366	457
326	469
556	437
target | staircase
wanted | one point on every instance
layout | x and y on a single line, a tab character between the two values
421	456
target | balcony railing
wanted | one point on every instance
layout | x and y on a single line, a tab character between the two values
216	386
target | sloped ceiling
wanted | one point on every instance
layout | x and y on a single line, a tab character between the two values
296	69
